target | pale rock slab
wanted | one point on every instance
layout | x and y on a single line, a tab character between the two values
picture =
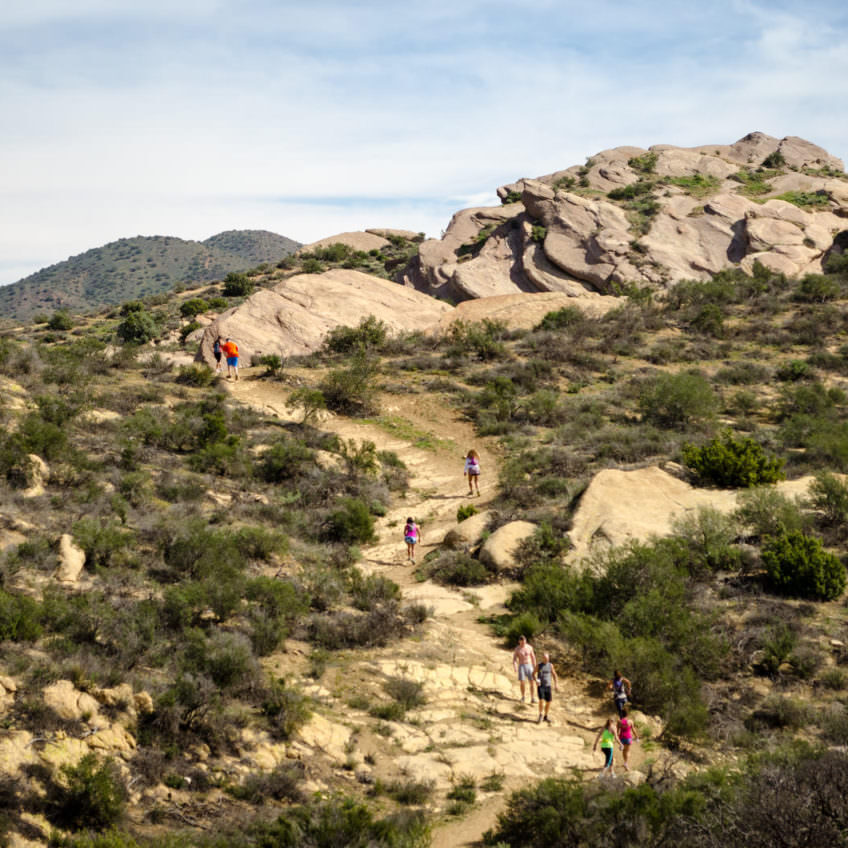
296	315
68	702
327	736
498	550
623	506
71	560
367	240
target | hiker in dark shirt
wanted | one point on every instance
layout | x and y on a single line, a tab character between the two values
545	677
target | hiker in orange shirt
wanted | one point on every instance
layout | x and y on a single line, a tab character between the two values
230	349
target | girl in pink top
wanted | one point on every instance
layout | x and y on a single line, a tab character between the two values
627	735
411	534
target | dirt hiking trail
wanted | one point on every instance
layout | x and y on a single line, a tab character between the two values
473	724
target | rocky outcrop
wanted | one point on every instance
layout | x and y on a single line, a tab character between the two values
691	212
296	315
467	533
498	550
367	240
624	506
71	560
36	473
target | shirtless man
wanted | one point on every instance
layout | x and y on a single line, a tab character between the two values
524	662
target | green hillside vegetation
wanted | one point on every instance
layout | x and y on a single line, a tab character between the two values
138	267
740	380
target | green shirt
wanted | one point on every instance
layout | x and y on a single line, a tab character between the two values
607	739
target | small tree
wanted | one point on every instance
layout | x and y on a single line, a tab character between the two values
797	565
138	327
310	401
193	306
237	285
60	320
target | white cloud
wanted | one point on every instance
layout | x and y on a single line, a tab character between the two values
191	118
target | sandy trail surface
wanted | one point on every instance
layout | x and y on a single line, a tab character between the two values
473	723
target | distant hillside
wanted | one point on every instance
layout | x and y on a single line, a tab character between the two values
136	267
257	246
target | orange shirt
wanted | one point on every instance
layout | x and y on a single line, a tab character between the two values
230	348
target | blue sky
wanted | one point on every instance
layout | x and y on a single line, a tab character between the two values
139	118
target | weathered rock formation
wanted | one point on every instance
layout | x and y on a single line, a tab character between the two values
296	315
675	213
623	506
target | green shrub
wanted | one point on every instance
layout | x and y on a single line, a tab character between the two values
645	164
778	711
817	288
60	320
368	592
370	334
90	794
105	543
286	709
567	316
20	618
339	822
732	463
351	391
310	401
137	328
408	693
193	306
483	339
798	566
237	285
351	524
698	185
524	624
195	375
806	198
410	792
677	400
767	512
285	460
829	496
709	535
465	511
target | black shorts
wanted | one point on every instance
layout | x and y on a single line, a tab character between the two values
545	693
217	356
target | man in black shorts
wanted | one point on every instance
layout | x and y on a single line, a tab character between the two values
545	677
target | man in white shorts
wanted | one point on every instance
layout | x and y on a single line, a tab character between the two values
524	662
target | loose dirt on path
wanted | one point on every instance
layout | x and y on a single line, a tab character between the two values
473	724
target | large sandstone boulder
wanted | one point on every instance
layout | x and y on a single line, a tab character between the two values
623	506
68	702
467	533
498	550
296	315
368	240
568	235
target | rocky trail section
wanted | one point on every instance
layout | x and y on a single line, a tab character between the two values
473	723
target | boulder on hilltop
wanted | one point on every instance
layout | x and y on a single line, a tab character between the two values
647	216
294	316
